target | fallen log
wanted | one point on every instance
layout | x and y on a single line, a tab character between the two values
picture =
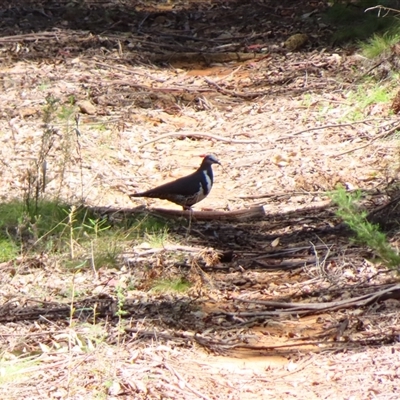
235	215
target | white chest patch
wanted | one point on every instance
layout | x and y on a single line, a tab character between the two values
204	188
208	183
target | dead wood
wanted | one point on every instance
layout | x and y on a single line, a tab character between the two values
382	135
207	58
316	128
287	264
247	95
282	309
386	215
285	252
41	36
235	215
198	135
279	195
210	255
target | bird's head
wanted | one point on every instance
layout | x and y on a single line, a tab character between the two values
209	159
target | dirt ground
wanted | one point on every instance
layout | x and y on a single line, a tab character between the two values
290	313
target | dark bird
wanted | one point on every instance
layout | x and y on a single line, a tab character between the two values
187	190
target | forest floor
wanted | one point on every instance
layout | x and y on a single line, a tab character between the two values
295	309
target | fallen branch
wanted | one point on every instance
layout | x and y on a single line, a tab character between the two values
284	309
197	135
274	253
235	215
204	57
122	69
379	8
173	89
317	206
287	264
281	194
378	210
321	346
206	253
43	36
184	383
380	136
249	95
144	252
323	127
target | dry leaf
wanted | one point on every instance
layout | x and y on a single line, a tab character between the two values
275	242
115	389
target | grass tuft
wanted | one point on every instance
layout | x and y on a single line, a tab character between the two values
379	44
366	232
89	241
176	285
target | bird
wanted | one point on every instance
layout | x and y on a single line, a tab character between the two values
188	190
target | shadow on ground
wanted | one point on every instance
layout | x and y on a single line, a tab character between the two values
158	32
251	303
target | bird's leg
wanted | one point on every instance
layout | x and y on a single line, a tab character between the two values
190	220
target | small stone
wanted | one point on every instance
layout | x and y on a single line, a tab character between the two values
86	107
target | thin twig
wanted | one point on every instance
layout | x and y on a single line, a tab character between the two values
281	194
281	308
197	135
185	383
324	127
231	74
380	136
234	93
380	7
121	69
